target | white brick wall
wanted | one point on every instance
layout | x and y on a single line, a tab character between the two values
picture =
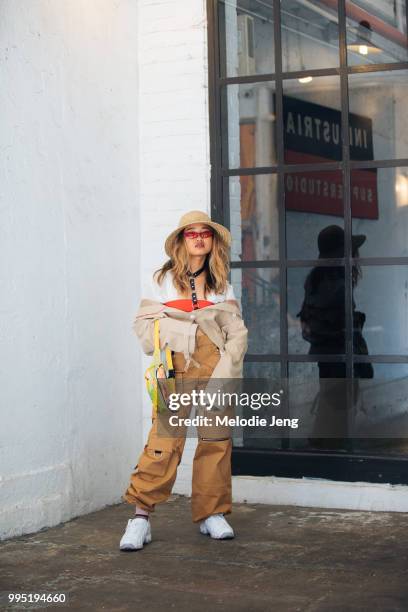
174	138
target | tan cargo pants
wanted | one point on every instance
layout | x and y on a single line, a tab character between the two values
152	480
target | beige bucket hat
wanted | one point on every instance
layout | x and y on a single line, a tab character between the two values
196	216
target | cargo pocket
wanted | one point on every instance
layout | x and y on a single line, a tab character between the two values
153	462
211	359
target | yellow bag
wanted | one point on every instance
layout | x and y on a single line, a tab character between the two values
161	357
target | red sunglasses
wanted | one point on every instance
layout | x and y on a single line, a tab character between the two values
193	235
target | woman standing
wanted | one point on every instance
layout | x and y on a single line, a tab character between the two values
201	322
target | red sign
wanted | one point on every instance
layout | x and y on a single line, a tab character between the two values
322	191
312	133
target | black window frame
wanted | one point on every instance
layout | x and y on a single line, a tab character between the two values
343	466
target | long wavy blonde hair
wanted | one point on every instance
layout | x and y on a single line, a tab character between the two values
217	266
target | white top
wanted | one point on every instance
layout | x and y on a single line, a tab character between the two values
167	291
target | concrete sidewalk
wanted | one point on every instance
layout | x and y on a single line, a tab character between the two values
283	558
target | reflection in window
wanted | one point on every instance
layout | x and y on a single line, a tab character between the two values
379	419
380	210
310	35
382	294
379	99
376	32
254	220
312	120
246	32
381	411
259	369
250	109
313	200
317	299
259	290
318	398
259	437
316	307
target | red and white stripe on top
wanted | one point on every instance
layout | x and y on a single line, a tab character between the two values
166	293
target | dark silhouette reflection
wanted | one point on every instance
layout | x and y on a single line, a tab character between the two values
323	321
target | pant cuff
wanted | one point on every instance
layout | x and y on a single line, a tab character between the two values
134	501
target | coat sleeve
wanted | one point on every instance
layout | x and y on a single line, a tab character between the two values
177	335
144	330
143	323
230	364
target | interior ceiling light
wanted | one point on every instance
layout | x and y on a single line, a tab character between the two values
363	44
307	78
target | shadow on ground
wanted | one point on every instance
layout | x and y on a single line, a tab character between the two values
283	559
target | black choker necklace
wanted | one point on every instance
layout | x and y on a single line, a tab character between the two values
192	276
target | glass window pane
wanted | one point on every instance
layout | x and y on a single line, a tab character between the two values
381	410
378	125
381	293
313	202
246	34
312	120
262	369
253	217
259	436
259	288
380	210
296	280
376	32
250	140
316	310
310	35
318	398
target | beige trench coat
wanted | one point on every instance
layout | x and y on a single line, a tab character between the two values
222	322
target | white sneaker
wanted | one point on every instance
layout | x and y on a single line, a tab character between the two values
138	532
217	527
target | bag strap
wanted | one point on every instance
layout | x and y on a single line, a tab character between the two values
157	351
